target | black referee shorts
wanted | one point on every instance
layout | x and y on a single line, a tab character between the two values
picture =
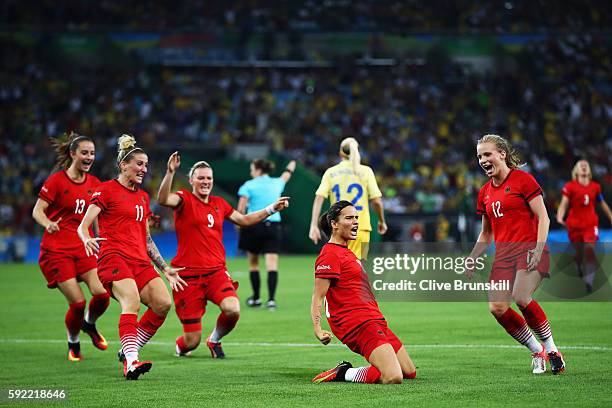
262	238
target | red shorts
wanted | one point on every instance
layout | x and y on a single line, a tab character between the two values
57	267
114	268
369	336
190	303
505	269
590	234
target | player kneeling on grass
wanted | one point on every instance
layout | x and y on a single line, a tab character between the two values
198	218
352	311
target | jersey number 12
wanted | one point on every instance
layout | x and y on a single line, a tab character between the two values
352	187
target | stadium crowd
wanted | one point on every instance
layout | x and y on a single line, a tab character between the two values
249	16
418	123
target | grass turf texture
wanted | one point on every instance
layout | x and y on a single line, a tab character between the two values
33	354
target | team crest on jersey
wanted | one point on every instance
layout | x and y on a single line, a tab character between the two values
89	192
142	199
507	190
216	209
66	191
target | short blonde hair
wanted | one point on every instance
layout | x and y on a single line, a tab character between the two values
575	170
198	165
513	159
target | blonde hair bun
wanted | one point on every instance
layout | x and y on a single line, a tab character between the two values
126	142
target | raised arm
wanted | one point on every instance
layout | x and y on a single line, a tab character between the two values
175	281
91	244
288	172
377	204
562	210
165	196
321	286
40	216
253	218
314	234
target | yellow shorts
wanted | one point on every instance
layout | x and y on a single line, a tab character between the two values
361	244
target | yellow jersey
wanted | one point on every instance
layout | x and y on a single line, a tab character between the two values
341	183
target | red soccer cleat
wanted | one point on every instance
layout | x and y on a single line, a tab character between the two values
216	351
334	374
136	369
97	339
74	352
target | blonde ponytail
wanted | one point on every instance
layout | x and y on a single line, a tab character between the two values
349	148
513	159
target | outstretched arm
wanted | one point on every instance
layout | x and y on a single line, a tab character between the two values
253	218
321	287
165	196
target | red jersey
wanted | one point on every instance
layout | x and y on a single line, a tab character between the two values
507	207
122	221
199	231
69	200
582	204
349	300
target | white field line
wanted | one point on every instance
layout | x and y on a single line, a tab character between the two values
307	345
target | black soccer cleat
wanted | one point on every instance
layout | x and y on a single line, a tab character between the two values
557	365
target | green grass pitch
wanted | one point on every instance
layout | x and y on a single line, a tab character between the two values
463	357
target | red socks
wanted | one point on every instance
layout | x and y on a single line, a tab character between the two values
515	325
74	318
128	327
536	319
147	326
97	306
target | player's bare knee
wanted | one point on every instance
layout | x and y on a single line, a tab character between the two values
231	307
392	378
162	307
497	309
521	300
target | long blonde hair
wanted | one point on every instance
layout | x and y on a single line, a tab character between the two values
349	149
575	170
513	159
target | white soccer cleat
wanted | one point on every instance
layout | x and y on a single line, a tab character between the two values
538	362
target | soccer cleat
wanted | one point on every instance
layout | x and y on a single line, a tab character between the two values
216	351
120	356
557	364
334	374
252	302
97	339
271	305
74	352
136	369
538	361
180	353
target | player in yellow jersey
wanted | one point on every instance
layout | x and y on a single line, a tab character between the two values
351	181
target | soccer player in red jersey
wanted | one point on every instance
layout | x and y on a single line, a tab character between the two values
61	204
198	219
514	216
352	312
580	196
125	251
